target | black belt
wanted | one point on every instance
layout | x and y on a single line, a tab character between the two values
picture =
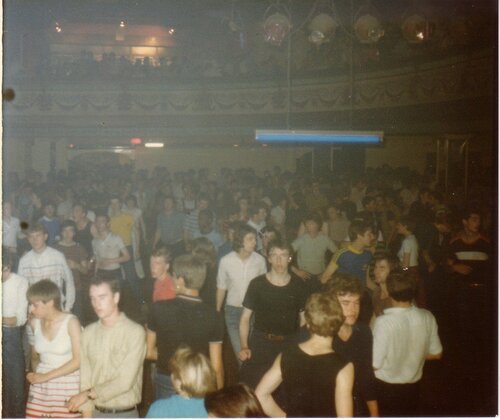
115	410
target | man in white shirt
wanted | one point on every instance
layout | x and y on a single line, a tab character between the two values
404	337
236	270
14	313
44	262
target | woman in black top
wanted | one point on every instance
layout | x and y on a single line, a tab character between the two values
317	381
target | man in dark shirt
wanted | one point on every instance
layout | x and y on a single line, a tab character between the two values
354	342
277	299
184	320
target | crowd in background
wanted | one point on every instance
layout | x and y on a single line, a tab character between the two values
229	241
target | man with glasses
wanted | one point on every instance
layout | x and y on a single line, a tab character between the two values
277	299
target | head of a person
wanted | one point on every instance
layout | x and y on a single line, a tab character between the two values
168	203
115	203
79	212
323	314
205	221
204	249
383	265
7	264
471	221
361	231
236	401
131	202
43	295
192	373
49	210
189	272
37	237
401	286
258	213
280	255
369	203
243	204
203	201
313	222
442	223
244	238
159	262
333	211
104	295
101	222
68	230
269	234
406	225
348	290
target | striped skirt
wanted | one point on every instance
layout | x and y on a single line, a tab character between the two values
49	399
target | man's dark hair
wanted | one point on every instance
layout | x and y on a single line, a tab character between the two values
401	286
315	217
343	284
68	223
468	212
111	281
252	210
358	227
408	222
240	231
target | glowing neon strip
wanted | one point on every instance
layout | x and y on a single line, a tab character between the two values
328	137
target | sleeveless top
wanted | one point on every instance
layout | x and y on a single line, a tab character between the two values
309	382
56	352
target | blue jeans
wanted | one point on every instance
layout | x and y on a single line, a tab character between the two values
232	315
13	396
164	387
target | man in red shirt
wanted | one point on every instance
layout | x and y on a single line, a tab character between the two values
159	264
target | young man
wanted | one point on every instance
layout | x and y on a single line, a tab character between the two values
159	264
185	320
44	262
14	310
191	221
311	247
112	354
51	223
206	228
354	341
277	301
236	270
404	337
355	260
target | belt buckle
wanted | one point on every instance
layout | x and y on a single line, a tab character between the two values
274	337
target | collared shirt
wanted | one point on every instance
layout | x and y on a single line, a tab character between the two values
258	228
234	275
111	362
14	302
402	339
49	264
109	247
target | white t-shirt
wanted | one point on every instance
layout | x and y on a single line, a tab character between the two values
409	246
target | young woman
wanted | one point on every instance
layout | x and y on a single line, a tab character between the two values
55	354
317	382
193	377
384	265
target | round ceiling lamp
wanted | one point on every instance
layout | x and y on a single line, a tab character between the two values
276	28
322	29
368	29
416	29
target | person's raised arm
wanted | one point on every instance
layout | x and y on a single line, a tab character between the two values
245	352
343	391
267	385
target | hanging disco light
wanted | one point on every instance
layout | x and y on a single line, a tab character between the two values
322	28
368	29
276	28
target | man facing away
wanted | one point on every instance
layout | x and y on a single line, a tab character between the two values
404	337
112	352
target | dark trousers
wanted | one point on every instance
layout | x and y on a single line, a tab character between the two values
13	396
398	400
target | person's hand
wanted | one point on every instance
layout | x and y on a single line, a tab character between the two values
245	354
462	269
304	275
36	378
76	401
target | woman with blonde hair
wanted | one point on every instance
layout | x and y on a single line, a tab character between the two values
55	354
317	382
192	377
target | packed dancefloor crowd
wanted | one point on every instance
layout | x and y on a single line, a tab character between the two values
330	292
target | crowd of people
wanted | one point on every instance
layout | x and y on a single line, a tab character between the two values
329	291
